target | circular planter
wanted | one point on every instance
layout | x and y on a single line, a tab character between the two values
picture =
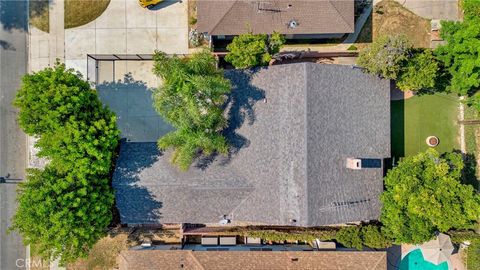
432	141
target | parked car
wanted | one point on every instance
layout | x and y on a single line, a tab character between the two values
149	3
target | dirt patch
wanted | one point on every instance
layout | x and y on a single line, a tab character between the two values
104	253
391	18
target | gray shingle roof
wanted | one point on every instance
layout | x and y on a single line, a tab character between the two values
288	159
234	17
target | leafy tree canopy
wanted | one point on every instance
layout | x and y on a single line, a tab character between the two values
424	195
471	9
48	98
385	56
249	50
461	55
191	99
65	208
419	72
62	214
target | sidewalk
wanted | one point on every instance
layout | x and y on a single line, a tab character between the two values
45	48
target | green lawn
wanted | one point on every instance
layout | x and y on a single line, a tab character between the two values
414	119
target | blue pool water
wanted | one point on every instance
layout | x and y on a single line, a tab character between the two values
414	261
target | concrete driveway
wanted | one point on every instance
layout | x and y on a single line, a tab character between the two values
129	95
433	9
127	28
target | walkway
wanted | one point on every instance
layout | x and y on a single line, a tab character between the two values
46	48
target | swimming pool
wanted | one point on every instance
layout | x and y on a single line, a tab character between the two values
414	261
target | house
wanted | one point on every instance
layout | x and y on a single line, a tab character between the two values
308	148
294	18
218	260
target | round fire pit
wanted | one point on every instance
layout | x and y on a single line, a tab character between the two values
432	141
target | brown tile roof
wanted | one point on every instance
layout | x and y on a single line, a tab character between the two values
233	17
265	260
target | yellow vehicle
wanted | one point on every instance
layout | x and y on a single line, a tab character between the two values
149	3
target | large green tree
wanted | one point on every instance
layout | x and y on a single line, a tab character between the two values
65	208
424	194
385	56
250	50
48	98
191	99
461	55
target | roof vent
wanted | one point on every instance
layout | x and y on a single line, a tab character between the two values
354	163
293	24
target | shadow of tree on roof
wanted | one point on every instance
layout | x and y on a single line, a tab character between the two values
134	201
240	110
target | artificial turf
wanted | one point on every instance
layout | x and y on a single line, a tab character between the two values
414	119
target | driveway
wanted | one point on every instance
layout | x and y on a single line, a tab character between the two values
129	95
127	28
433	9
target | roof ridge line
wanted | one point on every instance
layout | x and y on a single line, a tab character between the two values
380	259
224	15
190	253
341	15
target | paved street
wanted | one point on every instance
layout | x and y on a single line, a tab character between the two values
13	63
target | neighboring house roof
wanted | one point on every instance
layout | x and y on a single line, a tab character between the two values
218	260
234	17
289	154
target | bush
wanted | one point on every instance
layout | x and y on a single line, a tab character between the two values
385	56
419	72
352	48
278	236
350	237
249	50
65	208
373	237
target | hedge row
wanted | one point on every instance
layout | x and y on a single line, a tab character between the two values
349	236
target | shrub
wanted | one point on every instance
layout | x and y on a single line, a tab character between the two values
278	236
385	56
249	50
373	237
352	48
350	237
419	72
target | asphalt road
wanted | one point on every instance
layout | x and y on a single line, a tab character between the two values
13	64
